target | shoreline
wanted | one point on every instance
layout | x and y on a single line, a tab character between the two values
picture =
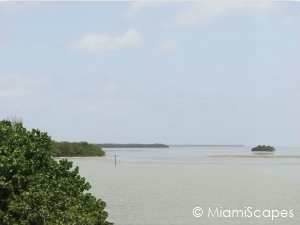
215	156
258	156
83	157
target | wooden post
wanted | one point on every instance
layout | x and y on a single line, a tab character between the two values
115	160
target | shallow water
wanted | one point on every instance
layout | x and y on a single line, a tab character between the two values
198	154
163	192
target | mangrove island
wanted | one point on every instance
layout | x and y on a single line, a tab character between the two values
263	148
132	145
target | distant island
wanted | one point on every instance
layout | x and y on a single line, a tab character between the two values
75	149
210	145
84	149
263	148
132	145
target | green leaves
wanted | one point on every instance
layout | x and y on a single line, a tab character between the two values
75	149
263	148
35	189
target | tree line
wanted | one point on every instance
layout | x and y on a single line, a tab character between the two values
71	149
263	148
111	145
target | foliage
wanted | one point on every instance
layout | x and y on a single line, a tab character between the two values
35	189
75	149
132	145
263	148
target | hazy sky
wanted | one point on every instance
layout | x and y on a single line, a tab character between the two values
153	72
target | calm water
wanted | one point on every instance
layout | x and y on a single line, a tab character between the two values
196	154
162	186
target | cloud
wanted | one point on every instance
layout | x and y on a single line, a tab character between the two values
203	12
261	10
14	7
20	86
167	47
111	88
22	92
27	94
103	42
19	7
136	7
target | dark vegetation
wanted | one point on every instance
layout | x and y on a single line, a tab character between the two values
70	149
35	189
263	148
132	145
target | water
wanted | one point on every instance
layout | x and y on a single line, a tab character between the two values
197	154
162	186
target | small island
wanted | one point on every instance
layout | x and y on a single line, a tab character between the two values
75	149
263	148
132	145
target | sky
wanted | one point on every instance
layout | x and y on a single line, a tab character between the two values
153	72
